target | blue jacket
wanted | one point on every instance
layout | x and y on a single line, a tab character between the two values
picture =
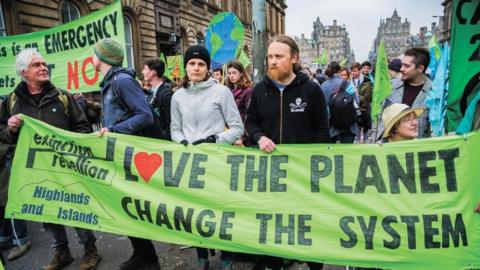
126	110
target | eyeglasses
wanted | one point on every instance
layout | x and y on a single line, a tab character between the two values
409	118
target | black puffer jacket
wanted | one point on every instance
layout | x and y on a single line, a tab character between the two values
296	115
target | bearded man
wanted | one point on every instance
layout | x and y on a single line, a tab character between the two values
286	107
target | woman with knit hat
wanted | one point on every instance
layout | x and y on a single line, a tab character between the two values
200	112
400	122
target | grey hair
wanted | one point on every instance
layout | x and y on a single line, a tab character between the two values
24	58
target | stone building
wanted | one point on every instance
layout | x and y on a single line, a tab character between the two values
446	20
308	51
395	35
397	38
151	26
423	37
333	39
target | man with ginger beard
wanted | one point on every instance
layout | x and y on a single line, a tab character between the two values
286	107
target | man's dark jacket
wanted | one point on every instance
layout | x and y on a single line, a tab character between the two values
296	115
160	104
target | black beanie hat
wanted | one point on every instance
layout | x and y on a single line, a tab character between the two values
197	52
395	65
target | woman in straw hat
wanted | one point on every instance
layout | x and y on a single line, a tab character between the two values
400	122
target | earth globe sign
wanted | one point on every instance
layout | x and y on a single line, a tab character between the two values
224	38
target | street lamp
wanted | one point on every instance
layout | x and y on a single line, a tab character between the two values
173	41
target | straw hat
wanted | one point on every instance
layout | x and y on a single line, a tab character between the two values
393	113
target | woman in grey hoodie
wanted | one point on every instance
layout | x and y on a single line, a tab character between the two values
204	111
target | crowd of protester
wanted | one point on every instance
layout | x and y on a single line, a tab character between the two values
289	105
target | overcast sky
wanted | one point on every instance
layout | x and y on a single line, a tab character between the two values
361	17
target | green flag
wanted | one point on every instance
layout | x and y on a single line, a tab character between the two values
433	44
465	60
382	86
343	62
243	59
324	59
167	71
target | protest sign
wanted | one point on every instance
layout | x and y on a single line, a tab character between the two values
174	66
224	38
67	49
397	206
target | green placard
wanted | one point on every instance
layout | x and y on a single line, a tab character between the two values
465	59
67	49
397	206
175	66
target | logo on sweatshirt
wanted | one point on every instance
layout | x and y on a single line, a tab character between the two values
298	106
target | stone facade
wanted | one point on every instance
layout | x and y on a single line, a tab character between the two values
446	20
423	37
156	26
308	51
395	35
333	39
397	38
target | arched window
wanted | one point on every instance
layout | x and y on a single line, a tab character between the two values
70	11
128	41
3	30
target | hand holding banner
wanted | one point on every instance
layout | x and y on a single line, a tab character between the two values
397	206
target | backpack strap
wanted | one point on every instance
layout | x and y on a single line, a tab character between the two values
64	99
12	99
116	93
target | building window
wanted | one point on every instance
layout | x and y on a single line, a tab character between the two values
3	30
70	11
128	41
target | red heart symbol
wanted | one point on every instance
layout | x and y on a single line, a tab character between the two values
147	164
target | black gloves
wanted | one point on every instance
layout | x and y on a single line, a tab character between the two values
184	142
209	139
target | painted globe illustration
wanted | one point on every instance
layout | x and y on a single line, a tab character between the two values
224	38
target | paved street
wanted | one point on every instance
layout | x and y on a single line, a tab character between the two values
115	249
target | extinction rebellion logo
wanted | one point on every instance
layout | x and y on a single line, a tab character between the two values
66	156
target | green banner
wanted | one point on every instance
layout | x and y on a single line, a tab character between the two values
465	65
67	49
396	206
